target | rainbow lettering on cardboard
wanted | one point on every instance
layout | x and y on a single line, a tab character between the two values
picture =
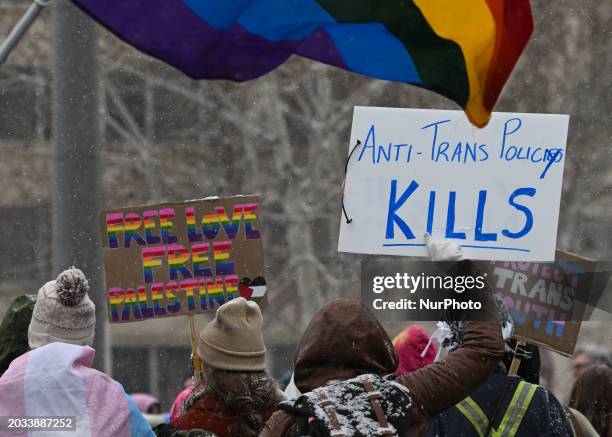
162	300
210	225
181	258
149	225
149	260
114	225
200	260
178	258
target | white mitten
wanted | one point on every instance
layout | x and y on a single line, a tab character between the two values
443	250
291	391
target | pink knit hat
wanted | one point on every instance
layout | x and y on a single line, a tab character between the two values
143	401
409	345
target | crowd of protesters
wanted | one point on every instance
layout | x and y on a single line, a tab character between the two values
348	378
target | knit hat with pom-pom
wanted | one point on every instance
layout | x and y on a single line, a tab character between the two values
63	312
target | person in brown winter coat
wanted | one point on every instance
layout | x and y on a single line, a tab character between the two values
344	340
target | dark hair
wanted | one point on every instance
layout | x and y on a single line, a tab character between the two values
592	396
251	396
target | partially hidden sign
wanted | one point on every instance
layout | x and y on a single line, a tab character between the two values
495	191
174	259
546	300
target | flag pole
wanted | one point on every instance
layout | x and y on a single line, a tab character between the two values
20	28
195	359
516	362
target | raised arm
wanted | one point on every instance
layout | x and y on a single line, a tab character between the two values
439	386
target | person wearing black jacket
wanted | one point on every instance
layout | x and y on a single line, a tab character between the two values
505	406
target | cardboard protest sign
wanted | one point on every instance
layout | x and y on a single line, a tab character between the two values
182	258
546	299
495	191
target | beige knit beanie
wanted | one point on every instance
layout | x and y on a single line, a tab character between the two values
233	340
63	312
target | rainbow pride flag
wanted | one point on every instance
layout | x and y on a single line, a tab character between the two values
462	49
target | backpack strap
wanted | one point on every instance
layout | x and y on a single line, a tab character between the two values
574	421
328	406
374	398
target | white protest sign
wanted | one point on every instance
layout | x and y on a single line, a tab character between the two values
495	191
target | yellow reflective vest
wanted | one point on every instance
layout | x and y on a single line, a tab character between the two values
512	418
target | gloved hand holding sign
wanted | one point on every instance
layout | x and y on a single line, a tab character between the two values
443	250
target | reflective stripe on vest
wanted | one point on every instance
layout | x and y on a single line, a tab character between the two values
474	414
512	419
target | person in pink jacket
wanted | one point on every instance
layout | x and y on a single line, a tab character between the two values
55	377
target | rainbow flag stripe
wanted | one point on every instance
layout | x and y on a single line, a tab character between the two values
464	50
